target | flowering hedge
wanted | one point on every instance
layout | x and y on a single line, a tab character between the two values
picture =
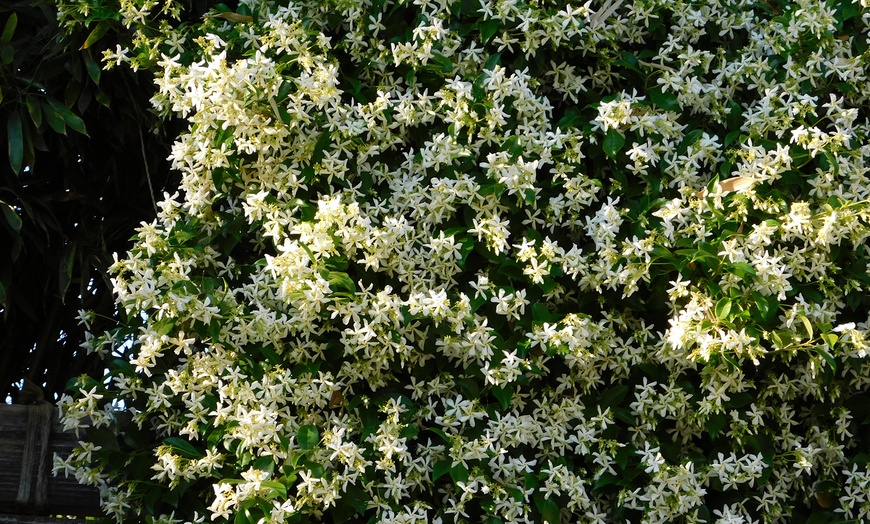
494	261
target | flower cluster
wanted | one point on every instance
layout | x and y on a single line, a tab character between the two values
495	260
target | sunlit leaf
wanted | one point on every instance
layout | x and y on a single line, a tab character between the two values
96	34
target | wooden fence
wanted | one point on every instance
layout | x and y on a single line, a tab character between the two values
29	494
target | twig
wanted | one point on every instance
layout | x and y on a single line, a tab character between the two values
147	171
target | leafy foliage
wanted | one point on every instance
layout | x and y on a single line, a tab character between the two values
75	184
495	261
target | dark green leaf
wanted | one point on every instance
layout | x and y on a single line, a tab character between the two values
308	437
550	511
441	468
54	119
266	464
613	396
34	110
715	424
488	29
11	216
613	142
15	138
504	395
2	293
183	447
492	61
94	69
666	101
71	119
242	517
823	352
459	473
9	28
65	270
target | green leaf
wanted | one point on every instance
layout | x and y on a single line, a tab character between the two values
550	511
11	216
613	142
308	437
613	396
15	138
266	464
98	32
723	307
488	29
459	473
340	281
71	119
492	61
807	325
441	468
735	116
715	424
321	147
666	101
2	293
54	119
278	489
353	502
242	517
34	110
9	28
827	356
64	276
742	269
94	69
767	306
183	447
504	395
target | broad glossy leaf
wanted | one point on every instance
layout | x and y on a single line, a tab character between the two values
666	101
613	142
308	437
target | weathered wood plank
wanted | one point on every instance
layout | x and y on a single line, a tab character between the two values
30	519
62	495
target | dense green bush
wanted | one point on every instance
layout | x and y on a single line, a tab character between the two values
503	261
